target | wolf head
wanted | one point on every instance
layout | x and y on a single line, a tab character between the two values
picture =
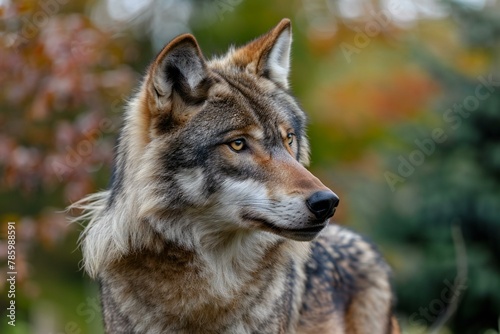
211	150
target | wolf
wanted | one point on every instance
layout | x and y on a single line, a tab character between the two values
212	223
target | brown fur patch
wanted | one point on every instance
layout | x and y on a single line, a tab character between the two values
256	51
180	242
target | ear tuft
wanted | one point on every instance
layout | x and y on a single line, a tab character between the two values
181	68
277	62
269	54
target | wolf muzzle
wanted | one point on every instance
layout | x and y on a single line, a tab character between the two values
322	205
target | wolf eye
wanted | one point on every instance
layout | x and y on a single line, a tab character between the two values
290	137
237	145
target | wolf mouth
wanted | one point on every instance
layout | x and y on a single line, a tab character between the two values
305	232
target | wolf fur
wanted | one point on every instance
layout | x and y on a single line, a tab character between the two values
212	223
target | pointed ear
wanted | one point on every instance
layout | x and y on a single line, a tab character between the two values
180	71
269	55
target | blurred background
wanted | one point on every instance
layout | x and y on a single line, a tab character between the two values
404	106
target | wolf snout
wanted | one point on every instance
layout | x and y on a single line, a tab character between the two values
323	204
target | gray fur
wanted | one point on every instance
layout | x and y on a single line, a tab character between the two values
197	236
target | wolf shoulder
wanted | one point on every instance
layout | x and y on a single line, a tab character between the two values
346	259
345	263
347	286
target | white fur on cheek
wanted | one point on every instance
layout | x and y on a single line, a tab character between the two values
252	196
191	183
240	194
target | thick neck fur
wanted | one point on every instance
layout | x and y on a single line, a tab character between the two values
192	237
188	273
204	290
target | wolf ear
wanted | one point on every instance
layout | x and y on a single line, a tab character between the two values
179	70
269	55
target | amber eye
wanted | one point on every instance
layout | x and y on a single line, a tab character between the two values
237	145
290	137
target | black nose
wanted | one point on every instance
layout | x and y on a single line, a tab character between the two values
323	204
